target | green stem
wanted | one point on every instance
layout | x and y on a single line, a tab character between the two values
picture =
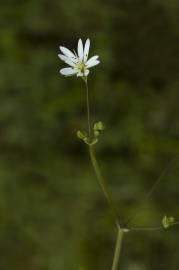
88	108
102	183
117	252
149	193
155	228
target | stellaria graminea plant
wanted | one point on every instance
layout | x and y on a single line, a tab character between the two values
79	66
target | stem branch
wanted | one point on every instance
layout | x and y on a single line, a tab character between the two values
102	183
117	249
155	228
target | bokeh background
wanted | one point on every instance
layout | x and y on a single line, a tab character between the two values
52	213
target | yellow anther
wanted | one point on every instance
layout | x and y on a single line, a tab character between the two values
81	66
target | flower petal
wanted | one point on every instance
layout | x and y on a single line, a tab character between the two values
94	64
67	52
67	60
92	58
68	71
80	49
86	50
92	61
80	74
86	72
62	57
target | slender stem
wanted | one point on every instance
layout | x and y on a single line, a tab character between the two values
155	228
88	107
117	249
102	183
149	193
147	228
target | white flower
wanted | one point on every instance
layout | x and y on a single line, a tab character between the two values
79	63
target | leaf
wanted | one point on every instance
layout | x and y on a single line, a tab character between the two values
167	221
81	135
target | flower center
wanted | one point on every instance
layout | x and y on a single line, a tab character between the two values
81	66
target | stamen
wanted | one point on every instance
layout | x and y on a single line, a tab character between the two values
81	66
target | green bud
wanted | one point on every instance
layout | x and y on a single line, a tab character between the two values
167	221
96	133
99	126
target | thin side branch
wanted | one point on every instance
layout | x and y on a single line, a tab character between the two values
155	228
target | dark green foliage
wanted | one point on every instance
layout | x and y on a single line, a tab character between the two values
52	212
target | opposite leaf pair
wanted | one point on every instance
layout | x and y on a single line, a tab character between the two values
97	129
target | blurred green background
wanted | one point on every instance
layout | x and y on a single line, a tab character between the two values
52	212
